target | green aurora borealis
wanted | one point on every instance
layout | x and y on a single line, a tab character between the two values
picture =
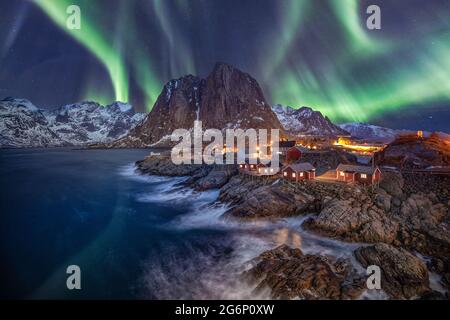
317	53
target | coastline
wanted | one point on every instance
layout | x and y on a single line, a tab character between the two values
378	219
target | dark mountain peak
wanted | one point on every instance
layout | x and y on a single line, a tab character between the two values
228	98
184	80
224	74
232	98
185	86
223	67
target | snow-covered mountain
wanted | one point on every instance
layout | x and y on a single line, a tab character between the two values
306	121
24	125
370	132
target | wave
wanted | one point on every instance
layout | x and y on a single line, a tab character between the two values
213	270
202	271
131	172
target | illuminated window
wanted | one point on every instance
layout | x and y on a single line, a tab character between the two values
342	174
253	166
285	174
301	174
363	176
271	170
242	165
259	170
265	170
293	175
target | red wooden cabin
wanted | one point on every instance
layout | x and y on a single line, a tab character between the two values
355	173
299	171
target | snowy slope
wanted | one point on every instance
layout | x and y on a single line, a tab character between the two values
24	125
370	132
306	121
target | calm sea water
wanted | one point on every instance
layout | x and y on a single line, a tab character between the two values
133	236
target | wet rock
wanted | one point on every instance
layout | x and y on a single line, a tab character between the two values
441	266
404	276
392	183
419	211
272	200
290	274
163	166
354	220
383	200
216	178
423	225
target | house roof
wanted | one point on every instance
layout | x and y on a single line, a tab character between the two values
354	168
301	149
299	167
286	144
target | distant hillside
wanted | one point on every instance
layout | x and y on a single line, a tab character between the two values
410	151
306	121
370	132
24	125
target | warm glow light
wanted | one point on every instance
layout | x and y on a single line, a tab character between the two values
348	144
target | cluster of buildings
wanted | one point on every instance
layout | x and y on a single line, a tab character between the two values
292	169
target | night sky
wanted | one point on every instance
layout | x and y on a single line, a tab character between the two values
317	53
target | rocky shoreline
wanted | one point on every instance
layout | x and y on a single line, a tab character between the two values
401	220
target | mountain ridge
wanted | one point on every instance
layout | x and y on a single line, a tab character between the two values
306	121
24	125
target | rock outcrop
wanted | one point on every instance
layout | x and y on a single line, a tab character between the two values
290	274
355	220
412	152
216	178
271	199
161	165
403	275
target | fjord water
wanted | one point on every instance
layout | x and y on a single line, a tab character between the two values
133	236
